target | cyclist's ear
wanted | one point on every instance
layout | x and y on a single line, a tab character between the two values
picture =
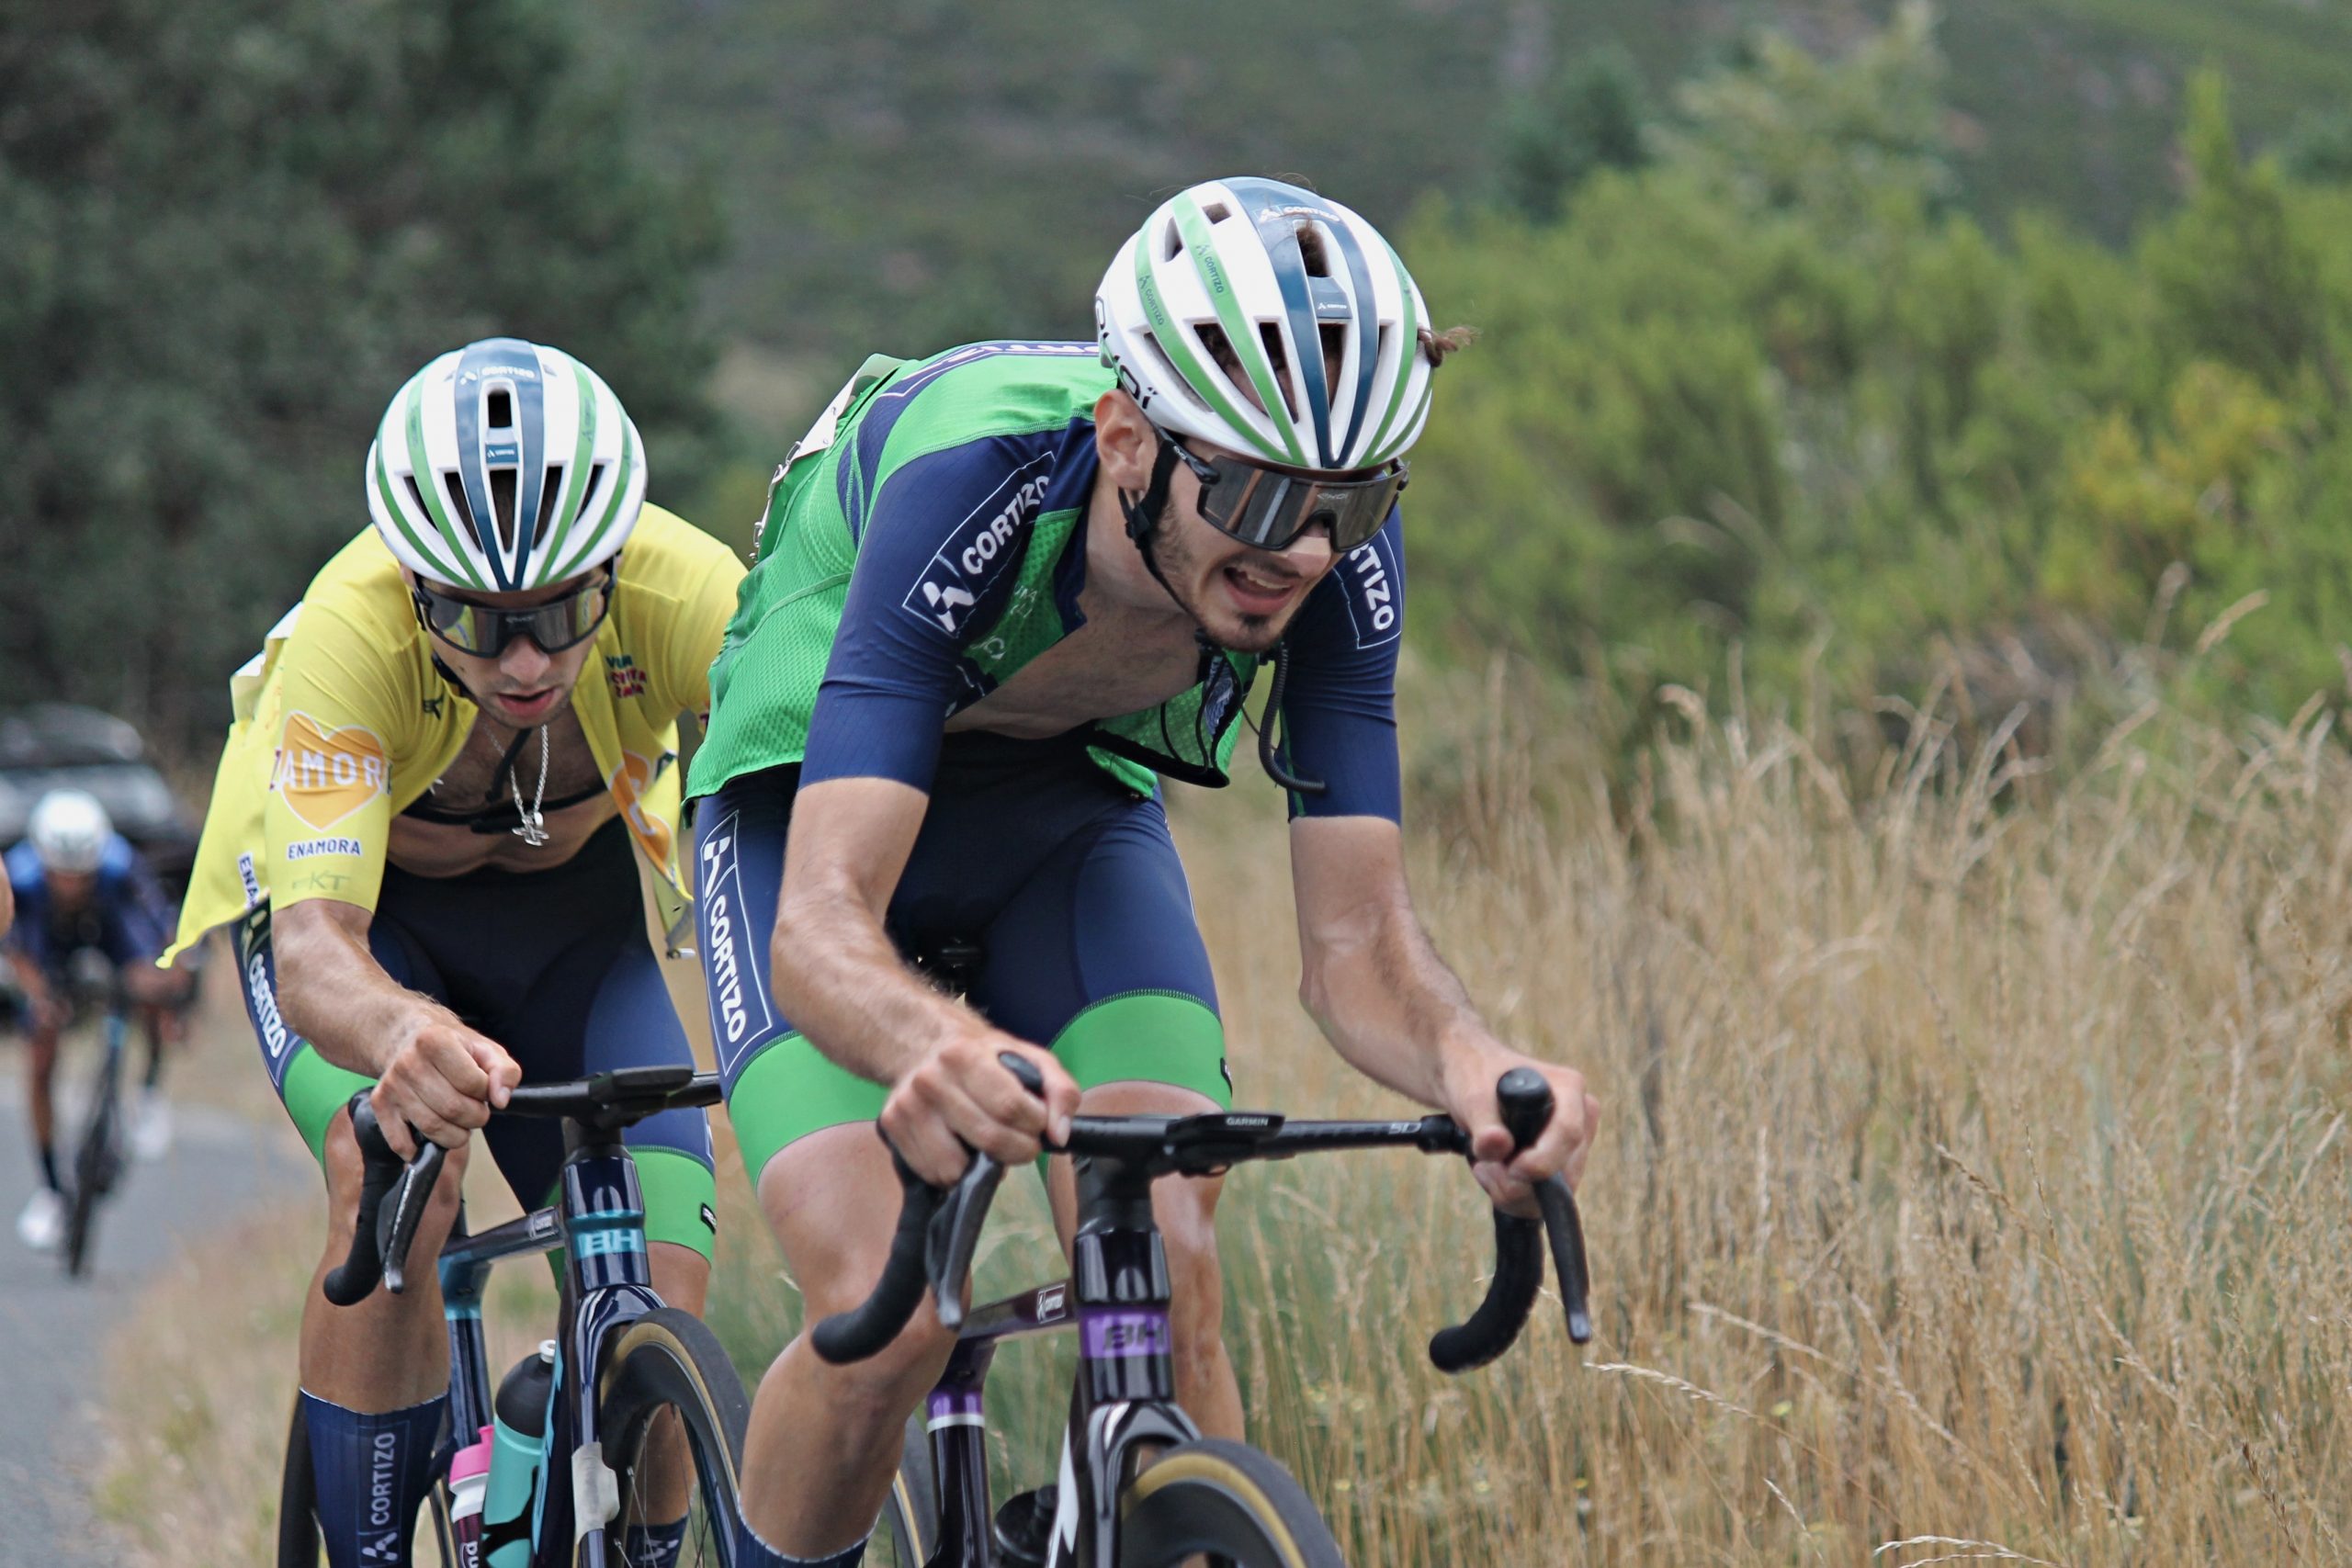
1125	441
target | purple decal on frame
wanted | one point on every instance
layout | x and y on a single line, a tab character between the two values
946	1403
1124	1332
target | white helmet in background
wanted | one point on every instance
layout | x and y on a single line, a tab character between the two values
1272	322
70	831
505	465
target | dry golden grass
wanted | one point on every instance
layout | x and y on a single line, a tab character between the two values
1971	1186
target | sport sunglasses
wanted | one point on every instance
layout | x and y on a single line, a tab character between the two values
1267	508
480	630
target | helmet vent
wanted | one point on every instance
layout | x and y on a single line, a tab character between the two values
1171	244
1272	339
1311	251
502	409
592	495
464	514
1216	212
548	492
501	501
416	495
1334	341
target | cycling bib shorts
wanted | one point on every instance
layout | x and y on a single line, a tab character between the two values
1065	879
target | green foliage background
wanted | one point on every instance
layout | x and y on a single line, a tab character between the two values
1852	344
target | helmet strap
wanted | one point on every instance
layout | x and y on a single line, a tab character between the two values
1143	520
1143	514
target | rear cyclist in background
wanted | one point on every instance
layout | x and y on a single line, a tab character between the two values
447	772
81	887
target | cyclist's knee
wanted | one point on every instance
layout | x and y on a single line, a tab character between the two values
345	1172
681	1275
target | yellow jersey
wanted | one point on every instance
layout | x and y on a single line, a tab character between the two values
341	722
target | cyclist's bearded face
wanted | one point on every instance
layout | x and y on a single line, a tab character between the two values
1243	598
523	685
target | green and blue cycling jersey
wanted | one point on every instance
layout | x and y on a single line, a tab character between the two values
919	550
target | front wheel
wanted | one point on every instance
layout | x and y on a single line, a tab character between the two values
1225	1500
671	1398
907	1532
98	1161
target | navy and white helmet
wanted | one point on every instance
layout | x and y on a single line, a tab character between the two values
505	465
1272	322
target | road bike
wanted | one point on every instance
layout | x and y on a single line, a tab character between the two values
1139	1488
632	1380
97	1152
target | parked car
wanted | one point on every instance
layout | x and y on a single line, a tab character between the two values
48	746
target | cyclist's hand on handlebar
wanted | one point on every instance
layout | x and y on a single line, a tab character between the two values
1510	1179
959	1098
443	1083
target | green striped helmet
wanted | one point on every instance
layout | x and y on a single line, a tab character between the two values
504	466
1271	321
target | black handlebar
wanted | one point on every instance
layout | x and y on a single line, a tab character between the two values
939	1228
381	1237
380	1240
1526	1103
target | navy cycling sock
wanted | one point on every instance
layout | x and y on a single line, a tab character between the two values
654	1546
49	1169
372	1471
751	1551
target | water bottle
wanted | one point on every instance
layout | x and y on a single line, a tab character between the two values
517	1444
469	1483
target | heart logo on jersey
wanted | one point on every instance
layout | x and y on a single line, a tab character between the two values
629	783
327	772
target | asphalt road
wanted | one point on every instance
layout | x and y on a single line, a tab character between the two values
53	1330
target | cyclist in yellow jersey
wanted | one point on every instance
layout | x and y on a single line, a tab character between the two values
446	769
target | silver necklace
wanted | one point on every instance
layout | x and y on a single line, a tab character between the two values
532	830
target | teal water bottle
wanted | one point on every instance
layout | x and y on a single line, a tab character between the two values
518	1449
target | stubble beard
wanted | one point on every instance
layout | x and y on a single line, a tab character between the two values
1180	571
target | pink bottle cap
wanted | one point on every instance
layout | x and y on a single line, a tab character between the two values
473	1461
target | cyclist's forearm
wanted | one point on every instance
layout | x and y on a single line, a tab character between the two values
1389	1004
842	982
8	906
333	992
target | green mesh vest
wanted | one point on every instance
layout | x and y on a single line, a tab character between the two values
1009	403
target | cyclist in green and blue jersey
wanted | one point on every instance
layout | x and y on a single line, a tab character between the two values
1000	594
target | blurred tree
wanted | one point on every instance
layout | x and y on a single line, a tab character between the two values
1590	118
236	226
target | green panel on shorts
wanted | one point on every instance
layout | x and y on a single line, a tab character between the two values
679	1191
1155	1036
315	1088
789	1090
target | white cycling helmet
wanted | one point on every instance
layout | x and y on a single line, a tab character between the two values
505	465
1227	313
69	830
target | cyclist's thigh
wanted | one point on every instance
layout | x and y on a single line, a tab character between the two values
311	1087
780	1089
1099	957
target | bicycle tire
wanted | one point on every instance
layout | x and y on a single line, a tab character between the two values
1225	1500
97	1159
669	1361
909	1528
297	1498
